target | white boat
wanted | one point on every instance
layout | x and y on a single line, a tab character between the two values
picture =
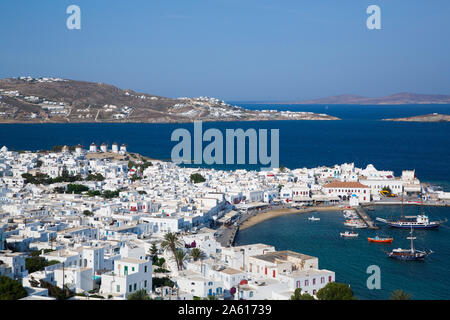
313	219
347	234
355	224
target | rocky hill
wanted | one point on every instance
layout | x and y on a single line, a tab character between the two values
39	100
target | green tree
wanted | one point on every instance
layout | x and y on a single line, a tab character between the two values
335	291
76	188
56	292
162	282
88	213
197	178
400	295
95	177
11	289
171	242
36	263
180	257
197	254
153	250
108	194
306	296
139	295
299	296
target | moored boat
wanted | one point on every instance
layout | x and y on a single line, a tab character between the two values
420	221
347	234
377	239
409	254
313	219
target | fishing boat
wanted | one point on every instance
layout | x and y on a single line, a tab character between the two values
313	219
408	254
347	234
378	239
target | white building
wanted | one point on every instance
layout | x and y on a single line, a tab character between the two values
93	147
344	190
129	276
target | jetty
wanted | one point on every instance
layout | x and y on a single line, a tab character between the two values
365	217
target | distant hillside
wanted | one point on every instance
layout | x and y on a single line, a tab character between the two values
398	98
39	100
434	117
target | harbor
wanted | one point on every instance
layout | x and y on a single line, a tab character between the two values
351	257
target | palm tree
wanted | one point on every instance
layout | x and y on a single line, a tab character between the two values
52	240
197	254
400	295
180	256
171	242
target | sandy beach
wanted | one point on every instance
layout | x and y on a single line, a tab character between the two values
258	218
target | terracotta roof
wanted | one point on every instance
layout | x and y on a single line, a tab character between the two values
338	184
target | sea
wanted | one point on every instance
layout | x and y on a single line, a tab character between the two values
360	137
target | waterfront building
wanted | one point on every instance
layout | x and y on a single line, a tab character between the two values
344	190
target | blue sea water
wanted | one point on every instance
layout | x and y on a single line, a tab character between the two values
360	137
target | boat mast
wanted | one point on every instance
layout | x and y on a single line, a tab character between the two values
402	202
421	202
412	241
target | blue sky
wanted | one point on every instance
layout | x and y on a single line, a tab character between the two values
233	49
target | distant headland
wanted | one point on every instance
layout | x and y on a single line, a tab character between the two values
434	117
55	100
394	99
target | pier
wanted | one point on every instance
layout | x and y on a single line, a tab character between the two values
365	217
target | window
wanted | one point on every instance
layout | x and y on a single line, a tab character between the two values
134	288
145	268
145	284
314	281
132	269
118	288
329	279
126	270
322	280
306	283
130	288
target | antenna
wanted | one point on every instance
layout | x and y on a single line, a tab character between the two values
421	201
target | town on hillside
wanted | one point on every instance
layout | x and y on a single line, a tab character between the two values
102	223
